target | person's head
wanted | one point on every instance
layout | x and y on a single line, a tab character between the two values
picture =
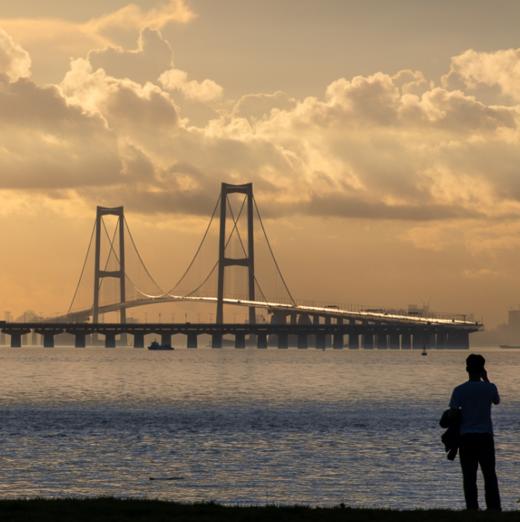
475	365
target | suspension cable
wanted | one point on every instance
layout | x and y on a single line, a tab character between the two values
139	256
235	224
197	251
190	294
272	253
82	269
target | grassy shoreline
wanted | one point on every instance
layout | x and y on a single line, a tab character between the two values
120	510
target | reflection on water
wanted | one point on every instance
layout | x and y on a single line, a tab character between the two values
242	426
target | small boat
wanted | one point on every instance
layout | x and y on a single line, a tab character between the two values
156	346
510	346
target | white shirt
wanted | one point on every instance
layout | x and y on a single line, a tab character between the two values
474	399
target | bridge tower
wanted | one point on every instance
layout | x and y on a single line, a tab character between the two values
248	261
100	273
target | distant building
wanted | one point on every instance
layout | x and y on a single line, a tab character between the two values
514	322
508	333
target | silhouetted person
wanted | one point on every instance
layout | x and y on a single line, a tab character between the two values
477	447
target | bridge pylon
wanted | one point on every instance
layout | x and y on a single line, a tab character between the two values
99	272
247	261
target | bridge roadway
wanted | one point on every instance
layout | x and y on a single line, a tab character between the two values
353	333
283	310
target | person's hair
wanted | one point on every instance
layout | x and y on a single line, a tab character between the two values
475	363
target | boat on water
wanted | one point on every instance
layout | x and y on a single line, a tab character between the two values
510	346
156	346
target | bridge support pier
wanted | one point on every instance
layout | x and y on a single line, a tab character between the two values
283	340
382	341
303	341
328	337
338	341
304	319
110	340
406	341
261	340
321	341
393	341
420	340
368	341
216	341
16	340
240	340
458	340
353	341
192	341
166	339
48	340
80	340
138	340
441	340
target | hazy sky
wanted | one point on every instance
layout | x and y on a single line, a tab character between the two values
382	138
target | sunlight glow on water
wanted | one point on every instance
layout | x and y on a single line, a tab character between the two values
243	426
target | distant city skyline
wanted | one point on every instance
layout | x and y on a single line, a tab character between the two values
381	138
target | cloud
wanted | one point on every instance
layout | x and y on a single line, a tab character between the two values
52	42
205	91
15	61
481	273
499	69
259	105
152	57
378	147
123	104
48	145
132	17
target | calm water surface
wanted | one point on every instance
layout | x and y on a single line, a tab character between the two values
243	426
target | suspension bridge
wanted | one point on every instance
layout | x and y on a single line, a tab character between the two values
114	279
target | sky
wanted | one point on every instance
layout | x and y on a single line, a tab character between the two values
381	138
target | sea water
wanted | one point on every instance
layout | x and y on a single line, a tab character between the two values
249	426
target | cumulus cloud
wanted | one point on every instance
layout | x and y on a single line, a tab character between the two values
15	61
49	145
381	146
121	102
499	69
204	91
53	41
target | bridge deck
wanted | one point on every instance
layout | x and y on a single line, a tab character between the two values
363	316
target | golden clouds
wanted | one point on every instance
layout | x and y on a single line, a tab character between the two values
500	69
205	91
52	42
15	61
381	146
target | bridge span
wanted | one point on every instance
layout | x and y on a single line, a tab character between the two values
297	325
283	311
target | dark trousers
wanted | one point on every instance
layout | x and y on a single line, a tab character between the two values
475	449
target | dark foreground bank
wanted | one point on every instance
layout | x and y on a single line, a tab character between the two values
113	510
